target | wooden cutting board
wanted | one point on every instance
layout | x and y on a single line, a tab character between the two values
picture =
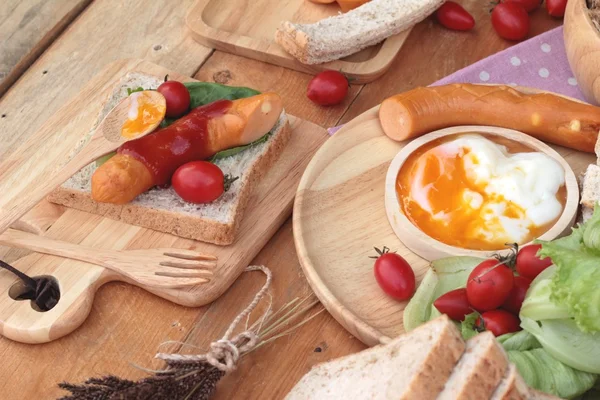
269	206
339	216
247	28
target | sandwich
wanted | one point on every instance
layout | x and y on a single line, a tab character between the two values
114	186
590	186
429	362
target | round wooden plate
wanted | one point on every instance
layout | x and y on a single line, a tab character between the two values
339	216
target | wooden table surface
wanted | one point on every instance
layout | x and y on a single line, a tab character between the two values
48	51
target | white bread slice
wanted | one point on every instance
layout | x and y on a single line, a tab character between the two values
412	366
162	209
341	35
590	190
512	386
479	370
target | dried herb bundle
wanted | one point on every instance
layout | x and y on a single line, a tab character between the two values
194	377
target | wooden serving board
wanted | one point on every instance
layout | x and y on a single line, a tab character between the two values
339	215
247	28
269	206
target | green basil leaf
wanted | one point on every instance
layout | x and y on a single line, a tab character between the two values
236	150
202	93
137	89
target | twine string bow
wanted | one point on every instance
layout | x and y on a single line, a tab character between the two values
225	352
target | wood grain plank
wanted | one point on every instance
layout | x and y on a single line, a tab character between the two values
230	69
28	27
106	31
433	52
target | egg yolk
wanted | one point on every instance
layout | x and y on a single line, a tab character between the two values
143	113
447	200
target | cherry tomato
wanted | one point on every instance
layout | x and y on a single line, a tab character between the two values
528	5
328	88
177	97
510	21
394	275
529	264
488	285
453	16
515	298
199	182
556	8
454	304
499	322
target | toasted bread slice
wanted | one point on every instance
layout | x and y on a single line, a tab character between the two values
479	370
341	35
161	209
412	366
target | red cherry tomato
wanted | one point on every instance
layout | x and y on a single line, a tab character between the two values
454	304
177	97
515	298
394	275
488	285
499	322
510	21
529	264
328	88
556	8
453	16
528	5
198	182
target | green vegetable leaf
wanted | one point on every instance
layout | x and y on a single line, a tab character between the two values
469	328
519	341
537	304
235	150
137	89
564	341
576	282
104	159
202	93
446	274
543	372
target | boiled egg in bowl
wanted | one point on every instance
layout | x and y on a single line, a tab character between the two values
473	190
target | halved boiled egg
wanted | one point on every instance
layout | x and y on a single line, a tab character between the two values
480	192
143	113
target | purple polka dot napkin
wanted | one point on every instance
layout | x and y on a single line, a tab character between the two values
540	62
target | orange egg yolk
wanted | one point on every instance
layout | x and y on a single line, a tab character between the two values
440	197
143	114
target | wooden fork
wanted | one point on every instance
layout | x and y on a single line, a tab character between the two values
158	268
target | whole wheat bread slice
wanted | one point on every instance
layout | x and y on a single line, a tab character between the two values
512	387
161	209
412	366
479	371
341	35
590	191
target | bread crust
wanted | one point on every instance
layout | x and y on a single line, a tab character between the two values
182	225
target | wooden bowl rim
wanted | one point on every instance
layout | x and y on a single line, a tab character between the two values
429	248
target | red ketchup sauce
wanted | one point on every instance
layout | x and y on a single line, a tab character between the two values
166	149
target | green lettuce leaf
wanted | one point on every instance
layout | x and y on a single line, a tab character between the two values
543	372
518	341
564	341
537	305
446	274
468	327
575	285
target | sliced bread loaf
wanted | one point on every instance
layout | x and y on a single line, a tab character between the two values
341	35
590	190
412	366
162	209
512	386
479	370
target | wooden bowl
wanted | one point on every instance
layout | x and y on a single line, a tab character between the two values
582	44
431	249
